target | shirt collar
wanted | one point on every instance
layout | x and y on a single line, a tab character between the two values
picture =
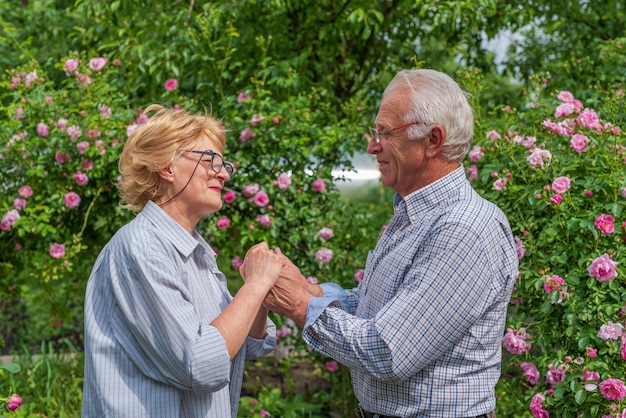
173	231
431	195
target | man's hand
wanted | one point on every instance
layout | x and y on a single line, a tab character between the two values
290	295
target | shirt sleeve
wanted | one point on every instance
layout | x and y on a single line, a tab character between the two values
157	323
257	348
445	289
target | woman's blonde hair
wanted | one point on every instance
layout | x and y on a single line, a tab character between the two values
154	145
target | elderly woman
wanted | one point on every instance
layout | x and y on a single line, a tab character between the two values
163	336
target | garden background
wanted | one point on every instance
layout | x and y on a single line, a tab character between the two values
297	83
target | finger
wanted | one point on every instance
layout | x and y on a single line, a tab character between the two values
263	246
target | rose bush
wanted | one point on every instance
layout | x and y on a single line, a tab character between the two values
557	169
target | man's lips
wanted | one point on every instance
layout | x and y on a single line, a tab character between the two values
216	188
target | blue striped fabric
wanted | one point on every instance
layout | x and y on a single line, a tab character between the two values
422	333
149	348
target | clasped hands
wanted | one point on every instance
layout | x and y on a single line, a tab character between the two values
289	293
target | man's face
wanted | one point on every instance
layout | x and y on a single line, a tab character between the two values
402	163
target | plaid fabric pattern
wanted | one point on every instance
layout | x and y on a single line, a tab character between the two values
422	332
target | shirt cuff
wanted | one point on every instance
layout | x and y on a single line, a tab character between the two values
332	292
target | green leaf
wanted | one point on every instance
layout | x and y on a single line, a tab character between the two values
11	367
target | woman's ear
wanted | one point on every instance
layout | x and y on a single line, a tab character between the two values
167	173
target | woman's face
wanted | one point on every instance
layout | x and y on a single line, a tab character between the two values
201	186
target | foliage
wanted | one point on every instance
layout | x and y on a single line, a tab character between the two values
349	49
565	38
57	173
50	383
557	169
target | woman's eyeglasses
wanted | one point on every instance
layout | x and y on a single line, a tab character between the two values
217	161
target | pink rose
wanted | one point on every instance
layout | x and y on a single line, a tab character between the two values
565	96
610	331
284	331
499	184
72	200
74	133
592	352
358	276
57	250
555	376
283	181
86	165
603	268
223	222
19	203
251	189
8	219
476	153
561	184
589	119
105	111
170	84
236	263
613	389
62	124
25	191
536	407
43	130
256	120
472	172
312	280
261	199
539	158
556	199
96	64
13	402
61	157
519	247
323	255
70	65
229	197
82	146
530	372
514	341
319	185
325	233
579	143
264	220
243	96
245	135
590	376
81	178
493	135
605	223
563	110
332	366
553	282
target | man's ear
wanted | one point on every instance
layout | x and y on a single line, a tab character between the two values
436	138
167	173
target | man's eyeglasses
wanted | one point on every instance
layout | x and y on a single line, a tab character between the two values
217	161
377	134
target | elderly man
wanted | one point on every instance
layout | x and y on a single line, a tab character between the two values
422	332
